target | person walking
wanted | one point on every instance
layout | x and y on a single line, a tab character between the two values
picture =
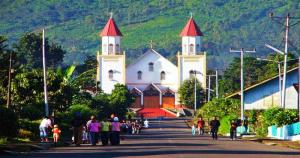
193	129
233	126
94	128
77	124
87	125
201	124
115	132
214	127
44	126
105	125
245	124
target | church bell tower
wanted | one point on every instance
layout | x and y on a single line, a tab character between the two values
111	60
191	59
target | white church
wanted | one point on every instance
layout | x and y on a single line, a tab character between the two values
152	78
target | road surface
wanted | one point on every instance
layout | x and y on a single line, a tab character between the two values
170	138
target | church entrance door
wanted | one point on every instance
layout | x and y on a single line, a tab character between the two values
151	98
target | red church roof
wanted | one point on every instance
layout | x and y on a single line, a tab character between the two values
191	29
111	29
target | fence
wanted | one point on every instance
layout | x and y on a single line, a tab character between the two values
287	132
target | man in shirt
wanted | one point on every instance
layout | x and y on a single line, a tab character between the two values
45	124
214	127
105	126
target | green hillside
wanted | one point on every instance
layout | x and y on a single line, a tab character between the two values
76	24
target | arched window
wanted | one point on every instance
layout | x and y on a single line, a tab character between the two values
192	74
117	49
105	48
139	74
110	48
151	66
191	49
110	74
162	75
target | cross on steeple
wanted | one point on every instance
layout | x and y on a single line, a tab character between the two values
151	44
111	14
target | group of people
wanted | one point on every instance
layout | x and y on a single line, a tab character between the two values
44	127
214	127
108	130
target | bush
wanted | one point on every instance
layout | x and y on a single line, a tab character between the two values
220	108
274	116
225	123
8	123
32	126
24	134
84	110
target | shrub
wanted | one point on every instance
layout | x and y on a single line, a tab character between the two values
84	110
32	126
8	123
225	123
220	108
24	134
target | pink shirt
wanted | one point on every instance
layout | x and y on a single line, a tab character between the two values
115	126
94	127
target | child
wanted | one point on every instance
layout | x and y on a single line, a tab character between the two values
84	135
56	132
193	130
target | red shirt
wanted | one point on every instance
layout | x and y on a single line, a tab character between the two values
200	123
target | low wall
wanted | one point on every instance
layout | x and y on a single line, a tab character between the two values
287	132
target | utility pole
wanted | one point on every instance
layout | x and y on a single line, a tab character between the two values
45	78
242	51
208	96
217	84
285	60
195	92
299	89
9	81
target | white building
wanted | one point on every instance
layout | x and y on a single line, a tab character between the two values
152	78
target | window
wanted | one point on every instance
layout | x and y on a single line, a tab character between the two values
162	75
117	49
191	49
110	49
192	74
105	48
139	75
110	74
151	67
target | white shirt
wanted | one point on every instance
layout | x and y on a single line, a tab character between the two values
45	123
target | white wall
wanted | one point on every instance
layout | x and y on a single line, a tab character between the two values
160	64
193	63
106	40
187	40
115	63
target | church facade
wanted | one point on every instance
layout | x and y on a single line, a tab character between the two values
152	78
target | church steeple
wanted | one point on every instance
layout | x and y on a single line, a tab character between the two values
190	34
111	38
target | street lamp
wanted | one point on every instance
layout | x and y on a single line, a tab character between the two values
195	87
242	51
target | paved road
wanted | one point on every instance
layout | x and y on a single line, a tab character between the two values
171	138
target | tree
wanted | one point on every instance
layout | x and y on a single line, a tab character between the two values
187	94
120	100
29	50
220	108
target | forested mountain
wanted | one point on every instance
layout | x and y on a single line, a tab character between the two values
75	24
